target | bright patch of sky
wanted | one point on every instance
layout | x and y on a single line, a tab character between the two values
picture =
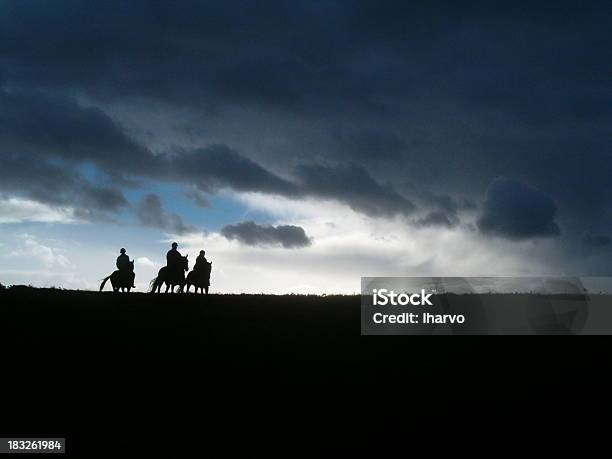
346	246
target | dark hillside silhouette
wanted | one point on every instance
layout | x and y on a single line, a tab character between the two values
295	364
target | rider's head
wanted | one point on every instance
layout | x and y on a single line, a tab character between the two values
122	251
202	252
174	245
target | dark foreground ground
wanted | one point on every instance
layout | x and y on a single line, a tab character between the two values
254	373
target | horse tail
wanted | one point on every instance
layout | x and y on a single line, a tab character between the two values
104	282
153	284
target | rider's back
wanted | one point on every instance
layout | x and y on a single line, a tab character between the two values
123	262
173	257
202	265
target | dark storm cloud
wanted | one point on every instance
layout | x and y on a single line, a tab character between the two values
515	210
39	124
437	219
445	209
218	166
597	241
150	212
445	203
52	126
370	143
351	183
250	233
197	197
57	128
201	52
449	96
311	56
319	57
51	184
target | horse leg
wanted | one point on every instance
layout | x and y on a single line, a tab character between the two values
128	289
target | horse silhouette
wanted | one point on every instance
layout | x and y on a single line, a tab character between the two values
171	277
200	279
123	279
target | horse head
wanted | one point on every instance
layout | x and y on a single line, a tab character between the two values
185	263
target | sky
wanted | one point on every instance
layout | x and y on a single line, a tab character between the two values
304	145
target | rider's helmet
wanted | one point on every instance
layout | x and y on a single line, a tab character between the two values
122	250
202	252
174	245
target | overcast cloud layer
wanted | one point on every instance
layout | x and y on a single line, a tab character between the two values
484	122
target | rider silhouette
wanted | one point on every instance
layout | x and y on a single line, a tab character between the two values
123	260
124	265
173	257
201	261
200	276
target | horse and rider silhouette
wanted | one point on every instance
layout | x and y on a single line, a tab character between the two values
124	277
173	274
